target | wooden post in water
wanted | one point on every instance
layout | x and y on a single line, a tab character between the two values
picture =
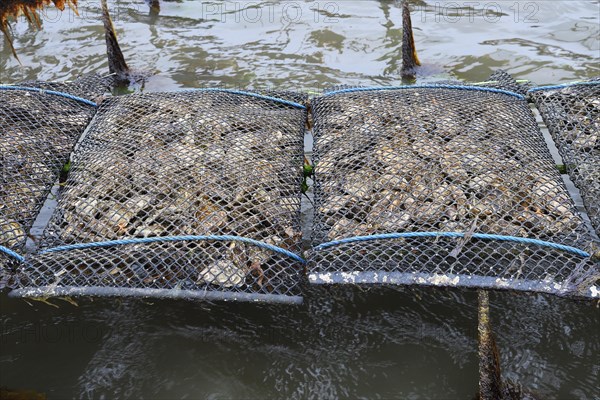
491	384
410	61
154	7
490	377
116	60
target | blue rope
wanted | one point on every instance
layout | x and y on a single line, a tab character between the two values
227	238
459	87
453	235
565	85
52	92
222	238
250	94
11	253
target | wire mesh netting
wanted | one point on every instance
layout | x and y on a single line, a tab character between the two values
502	80
572	115
201	189
441	185
38	129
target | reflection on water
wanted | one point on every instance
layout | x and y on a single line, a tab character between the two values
343	343
347	343
548	340
310	44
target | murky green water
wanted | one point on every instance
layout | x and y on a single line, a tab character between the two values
342	343
309	44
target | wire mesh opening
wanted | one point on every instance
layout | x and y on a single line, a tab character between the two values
184	182
572	115
38	131
461	178
196	194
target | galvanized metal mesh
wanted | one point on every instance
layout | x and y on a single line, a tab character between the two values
501	79
154	172
92	87
572	115
38	130
459	181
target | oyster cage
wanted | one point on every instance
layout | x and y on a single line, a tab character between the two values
442	185
572	115
40	123
192	194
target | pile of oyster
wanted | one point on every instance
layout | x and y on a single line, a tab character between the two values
435	160
38	132
188	164
572	115
12	233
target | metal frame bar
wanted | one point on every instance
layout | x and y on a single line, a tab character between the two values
445	280
97	291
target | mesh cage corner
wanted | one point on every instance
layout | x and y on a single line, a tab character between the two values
442	185
192	194
91	87
572	114
41	122
501	79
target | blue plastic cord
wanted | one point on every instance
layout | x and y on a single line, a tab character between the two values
222	238
565	85
11	253
250	94
459	87
453	235
52	92
227	238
